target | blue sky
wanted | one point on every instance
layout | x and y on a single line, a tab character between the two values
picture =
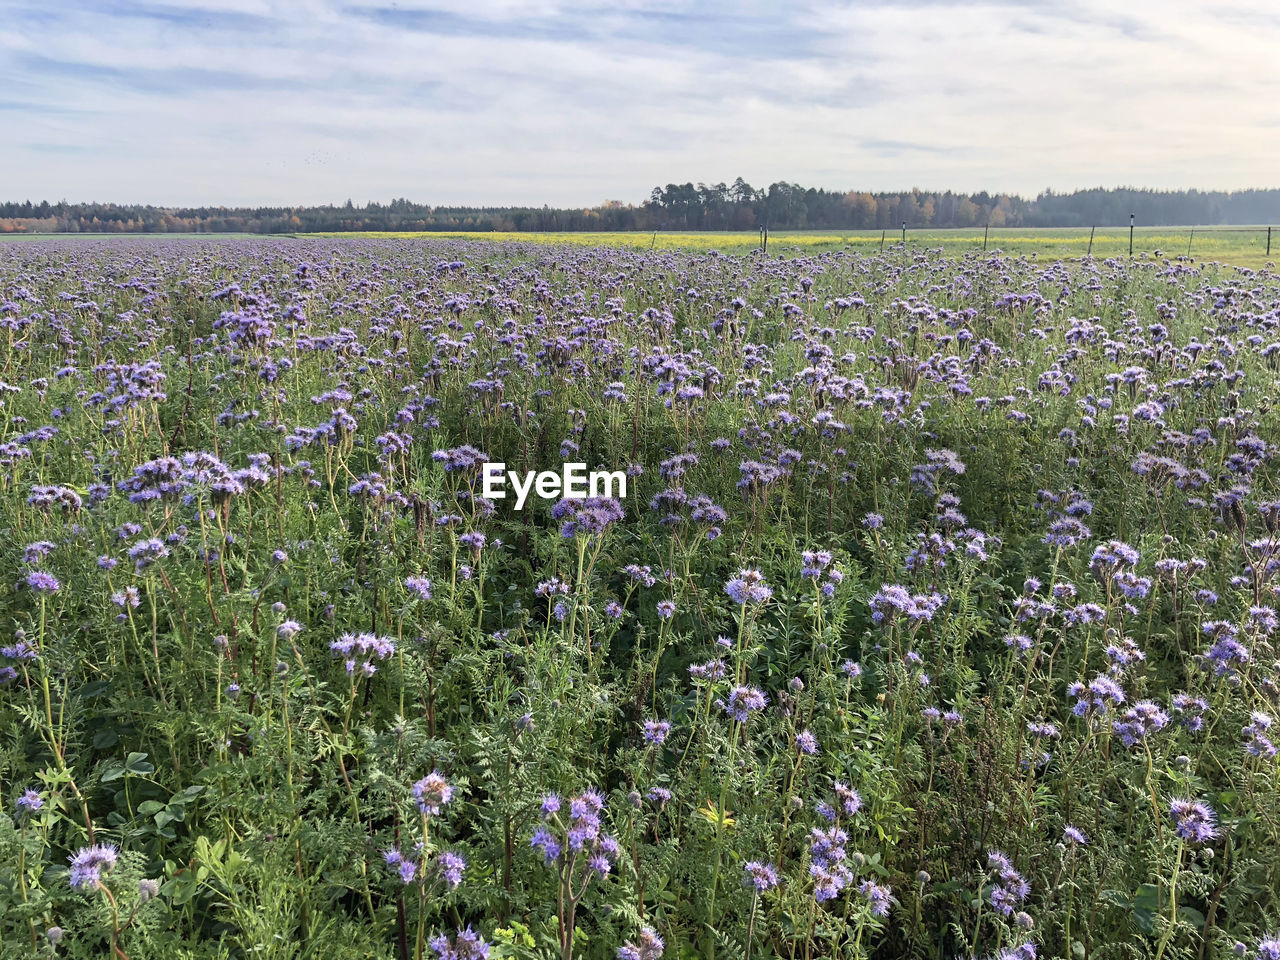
311	101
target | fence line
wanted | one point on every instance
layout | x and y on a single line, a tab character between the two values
1134	232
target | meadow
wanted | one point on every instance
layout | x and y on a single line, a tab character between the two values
938	619
1236	245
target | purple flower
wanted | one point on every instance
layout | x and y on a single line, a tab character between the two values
588	516
743	701
88	864
451	866
850	799
878	897
42	582
1195	821
1142	718
762	876
289	629
656	732
465	945
546	841
431	793
648	946
419	585
748	587
1011	888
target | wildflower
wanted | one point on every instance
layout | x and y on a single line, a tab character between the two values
42	582
451	867
1012	887
546	841
465	945
431	793
762	876
877	896
1256	742
813	563
30	802
1142	718
1101	693
1073	836
288	630
351	646
807	743
850	799
128	597
588	516
419	585
743	701
666	609
1195	821
649	947
656	732
88	864
748	587
581	836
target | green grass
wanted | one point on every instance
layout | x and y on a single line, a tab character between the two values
1242	246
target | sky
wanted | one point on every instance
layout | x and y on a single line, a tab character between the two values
495	102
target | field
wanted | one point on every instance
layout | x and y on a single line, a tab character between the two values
938	618
1237	245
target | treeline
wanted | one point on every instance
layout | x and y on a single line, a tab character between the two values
720	206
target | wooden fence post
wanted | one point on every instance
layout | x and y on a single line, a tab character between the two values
1092	231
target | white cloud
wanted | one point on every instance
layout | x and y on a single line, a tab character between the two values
570	103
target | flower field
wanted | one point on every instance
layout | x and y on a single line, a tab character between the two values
938	618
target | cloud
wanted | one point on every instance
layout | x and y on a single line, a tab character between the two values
575	101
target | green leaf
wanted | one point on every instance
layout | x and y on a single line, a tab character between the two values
105	739
138	765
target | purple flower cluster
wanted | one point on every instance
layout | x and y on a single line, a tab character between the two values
431	793
358	651
1009	887
578	836
89	863
648	946
748	587
463	945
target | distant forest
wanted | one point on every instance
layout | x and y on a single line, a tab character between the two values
720	206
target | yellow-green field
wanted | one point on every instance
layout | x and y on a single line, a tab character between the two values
1245	246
